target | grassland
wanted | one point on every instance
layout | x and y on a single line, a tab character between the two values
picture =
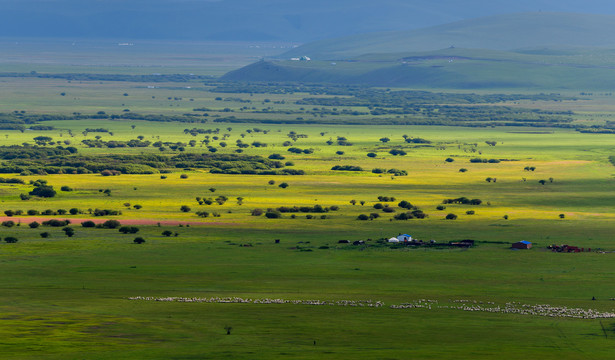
68	297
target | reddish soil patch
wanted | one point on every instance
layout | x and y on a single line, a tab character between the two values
29	219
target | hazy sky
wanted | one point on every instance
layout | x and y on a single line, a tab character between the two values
285	20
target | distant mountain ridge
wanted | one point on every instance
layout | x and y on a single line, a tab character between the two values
500	32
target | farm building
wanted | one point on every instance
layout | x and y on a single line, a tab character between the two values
522	245
404	238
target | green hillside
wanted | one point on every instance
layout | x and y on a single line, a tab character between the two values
501	32
451	68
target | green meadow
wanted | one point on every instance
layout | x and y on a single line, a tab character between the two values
69	297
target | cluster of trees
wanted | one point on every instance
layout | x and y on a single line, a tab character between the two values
463	200
33	212
395	172
306	209
347	168
479	160
98	143
297	150
43	161
109	224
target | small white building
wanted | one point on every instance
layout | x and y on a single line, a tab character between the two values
404	238
393	240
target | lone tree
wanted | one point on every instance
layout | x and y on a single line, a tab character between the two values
228	330
139	240
451	216
167	233
69	231
185	208
385	140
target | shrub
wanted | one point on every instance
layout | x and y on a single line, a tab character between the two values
451	217
167	233
462	170
405	204
378	206
8	223
561	216
283	185
66	188
184	208
449	159
10	239
183	176
34	225
9	213
362	217
43	191
440	207
139	240
273	215
110	173
88	224
129	230
371	155
396	152
470	212
111	224
257	212
276	157
387	209
73	211
45	235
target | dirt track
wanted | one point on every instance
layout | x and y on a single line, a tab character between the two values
73	221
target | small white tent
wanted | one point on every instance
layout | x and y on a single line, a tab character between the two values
404	237
393	240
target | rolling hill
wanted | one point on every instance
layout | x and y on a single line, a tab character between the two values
533	50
